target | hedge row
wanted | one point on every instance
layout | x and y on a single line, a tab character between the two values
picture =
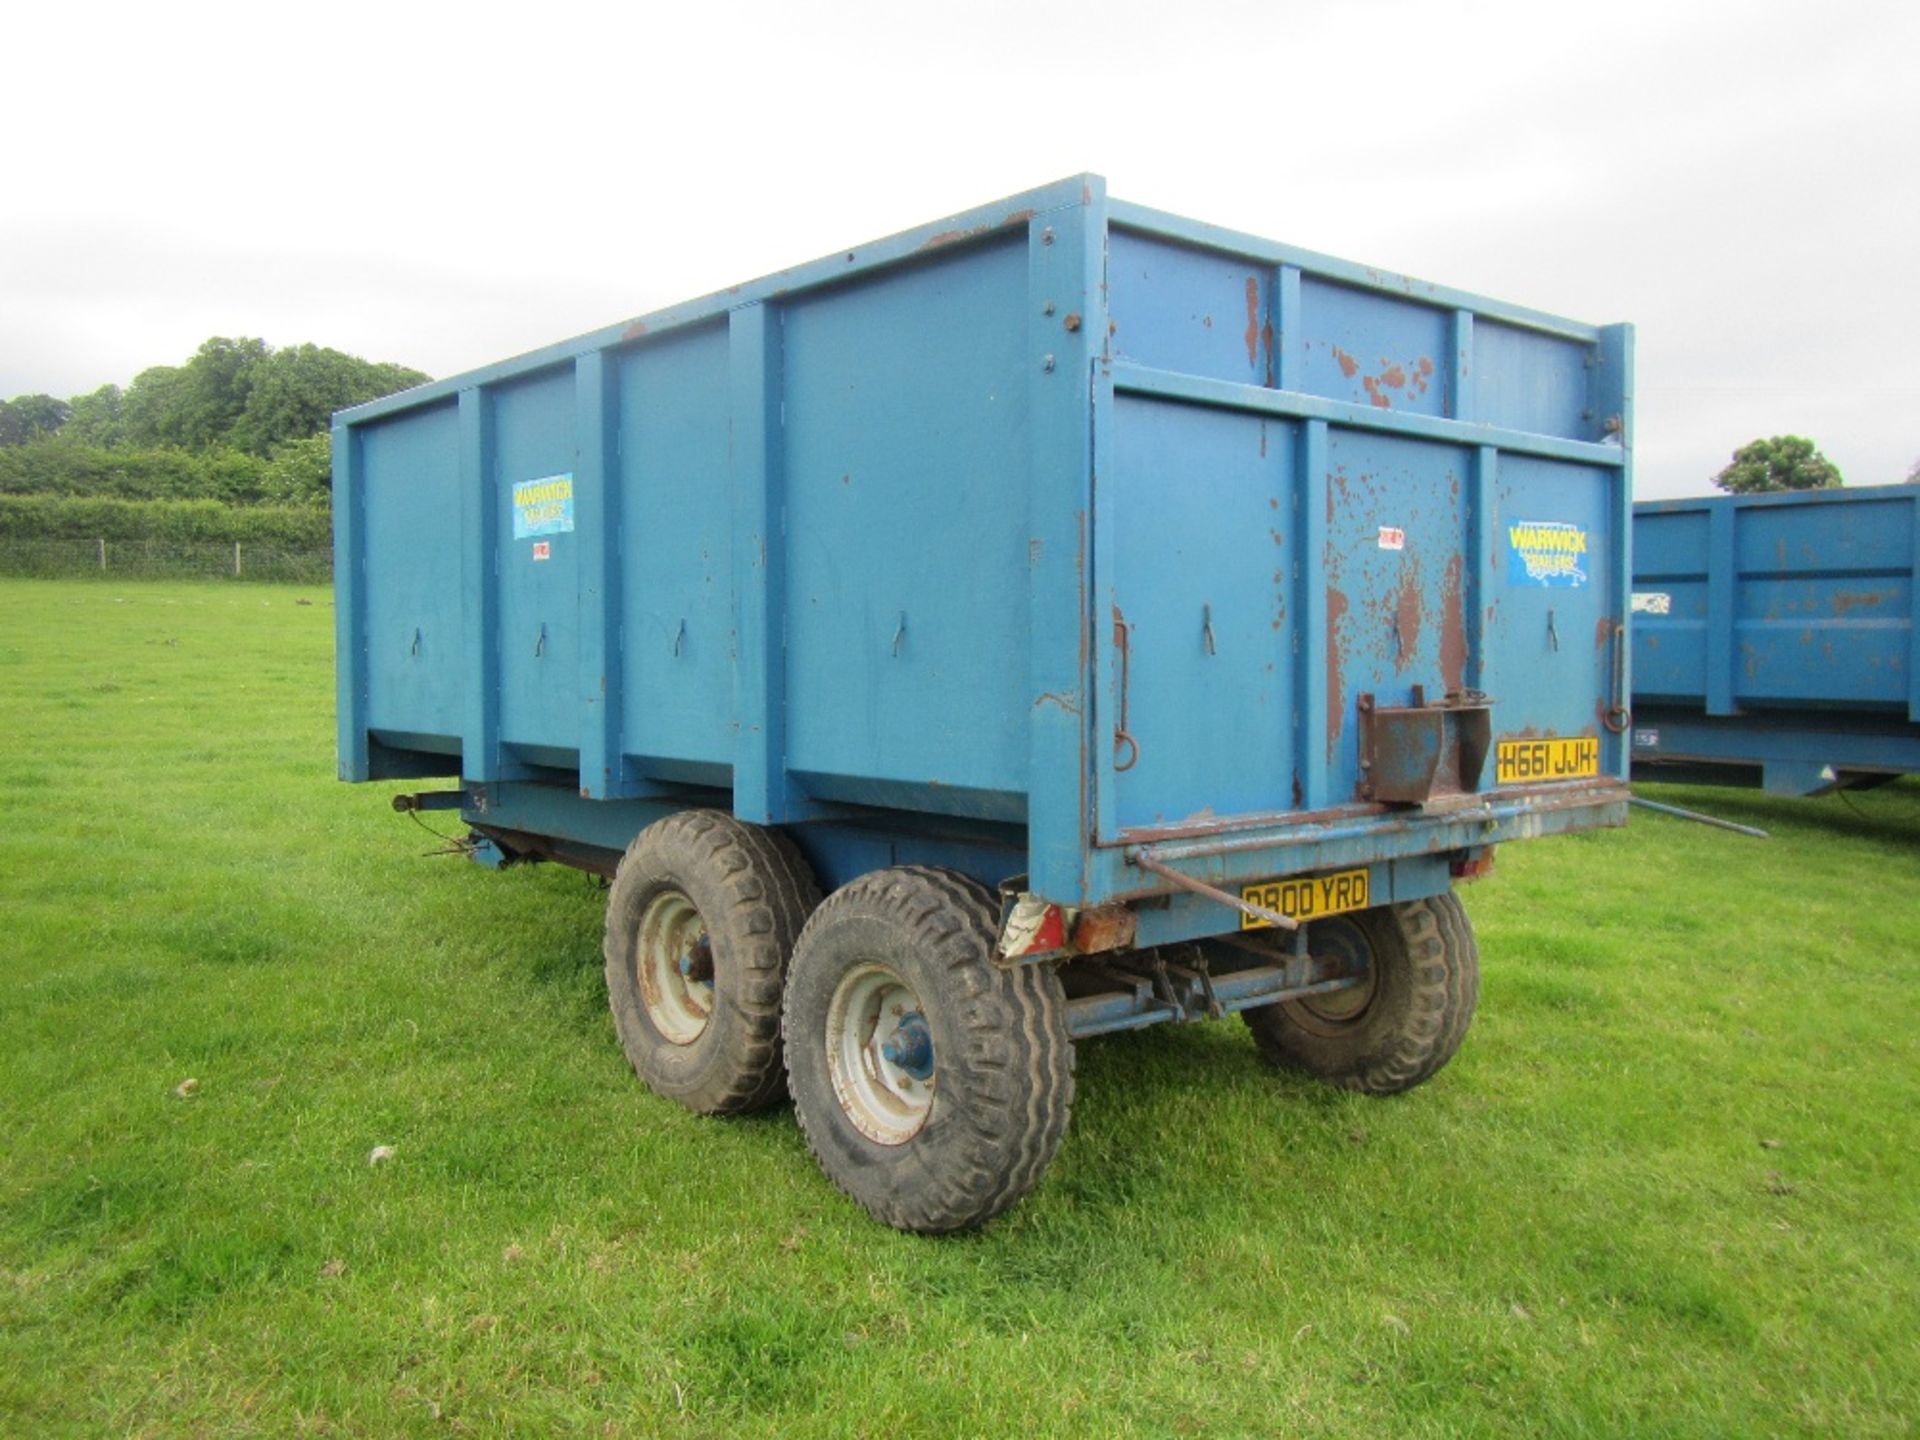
62	517
295	474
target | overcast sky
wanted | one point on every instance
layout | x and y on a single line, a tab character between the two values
445	185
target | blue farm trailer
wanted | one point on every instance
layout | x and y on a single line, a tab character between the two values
1118	619
1774	641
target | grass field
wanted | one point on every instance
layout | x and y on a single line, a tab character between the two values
1671	1185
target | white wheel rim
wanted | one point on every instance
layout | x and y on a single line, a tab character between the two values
874	1023
673	963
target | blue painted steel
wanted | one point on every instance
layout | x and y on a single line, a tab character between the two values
1776	639
1018	542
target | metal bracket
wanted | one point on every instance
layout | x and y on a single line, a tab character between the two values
1430	755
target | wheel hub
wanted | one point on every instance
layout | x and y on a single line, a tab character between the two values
880	1054
1343	944
910	1047
673	963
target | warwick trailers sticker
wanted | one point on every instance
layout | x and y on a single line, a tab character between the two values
1546	552
543	507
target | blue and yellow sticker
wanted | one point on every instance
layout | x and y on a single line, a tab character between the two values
543	506
1546	552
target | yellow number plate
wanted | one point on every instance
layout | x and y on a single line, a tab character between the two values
1306	897
1518	761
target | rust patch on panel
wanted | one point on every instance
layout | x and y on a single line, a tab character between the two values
634	331
1407	617
1453	629
1349	366
1336	689
944	238
1846	600
1392	375
1602	633
1253	320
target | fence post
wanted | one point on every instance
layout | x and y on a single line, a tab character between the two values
103	552
236	559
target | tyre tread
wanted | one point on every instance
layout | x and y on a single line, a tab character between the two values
1017	1060
767	890
1423	1024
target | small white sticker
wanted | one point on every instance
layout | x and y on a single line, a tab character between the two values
543	549
1392	537
1646	739
1652	602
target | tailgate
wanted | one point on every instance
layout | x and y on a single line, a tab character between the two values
1362	539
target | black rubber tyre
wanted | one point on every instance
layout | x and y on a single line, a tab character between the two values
1398	1030
749	892
996	1102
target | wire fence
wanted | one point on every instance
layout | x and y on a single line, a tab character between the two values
164	560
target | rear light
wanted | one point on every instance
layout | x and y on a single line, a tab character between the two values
1473	864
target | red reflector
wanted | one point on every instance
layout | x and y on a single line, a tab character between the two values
1051	934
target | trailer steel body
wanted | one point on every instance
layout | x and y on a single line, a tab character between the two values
1774	641
1165	581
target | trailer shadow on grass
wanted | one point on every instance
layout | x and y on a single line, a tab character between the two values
1150	1104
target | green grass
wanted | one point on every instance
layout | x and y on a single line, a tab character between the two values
1671	1185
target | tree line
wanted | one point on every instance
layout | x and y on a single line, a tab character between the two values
240	423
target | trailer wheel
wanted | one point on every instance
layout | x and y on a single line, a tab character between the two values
932	1084
701	919
1404	1021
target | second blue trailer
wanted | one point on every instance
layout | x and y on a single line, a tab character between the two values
1119	618
1774	641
